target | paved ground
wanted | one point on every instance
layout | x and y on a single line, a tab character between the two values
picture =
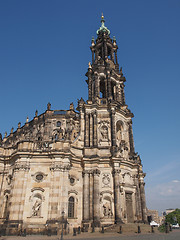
174	235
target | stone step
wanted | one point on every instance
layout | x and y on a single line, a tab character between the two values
130	228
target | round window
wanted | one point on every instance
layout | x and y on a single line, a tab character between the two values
72	180
39	177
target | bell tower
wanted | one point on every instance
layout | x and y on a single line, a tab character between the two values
105	81
108	141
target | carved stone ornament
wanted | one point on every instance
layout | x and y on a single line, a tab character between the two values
96	172
72	180
25	166
9	179
56	166
116	172
39	176
91	171
104	131
106	180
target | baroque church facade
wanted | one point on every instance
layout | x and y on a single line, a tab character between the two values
79	165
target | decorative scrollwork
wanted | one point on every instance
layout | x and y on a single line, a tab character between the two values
60	167
25	166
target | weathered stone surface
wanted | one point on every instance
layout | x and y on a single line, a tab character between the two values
79	164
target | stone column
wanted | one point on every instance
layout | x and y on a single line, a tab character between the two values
138	199
106	88
105	50
2	186
131	140
86	196
109	86
143	200
118	96
95	128
90	84
113	128
92	56
64	188
91	195
117	203
91	129
112	55
86	130
96	85
96	174
116	56
122	94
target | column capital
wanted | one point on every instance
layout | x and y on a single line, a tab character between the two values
116	172
113	111
96	172
60	167
87	172
24	166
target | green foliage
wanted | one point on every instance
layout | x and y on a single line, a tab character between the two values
162	228
173	217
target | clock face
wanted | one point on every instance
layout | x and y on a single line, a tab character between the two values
106	179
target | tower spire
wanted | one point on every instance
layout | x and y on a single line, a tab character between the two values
104	78
103	28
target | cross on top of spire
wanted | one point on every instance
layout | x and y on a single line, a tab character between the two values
103	28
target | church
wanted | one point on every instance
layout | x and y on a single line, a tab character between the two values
77	166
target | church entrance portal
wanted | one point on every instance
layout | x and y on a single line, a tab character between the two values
129	208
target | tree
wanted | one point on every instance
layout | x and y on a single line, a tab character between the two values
173	217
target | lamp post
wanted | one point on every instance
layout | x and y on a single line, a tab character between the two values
62	224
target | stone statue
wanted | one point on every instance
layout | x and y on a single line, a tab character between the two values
104	132
36	207
71	106
36	113
90	65
19	124
107	210
48	106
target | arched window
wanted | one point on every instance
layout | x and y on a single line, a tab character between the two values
71	207
102	89
58	124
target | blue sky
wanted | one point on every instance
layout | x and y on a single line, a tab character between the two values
44	55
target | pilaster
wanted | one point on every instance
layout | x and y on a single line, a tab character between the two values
95	128
17	199
86	136
117	202
86	202
143	200
96	174
113	128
